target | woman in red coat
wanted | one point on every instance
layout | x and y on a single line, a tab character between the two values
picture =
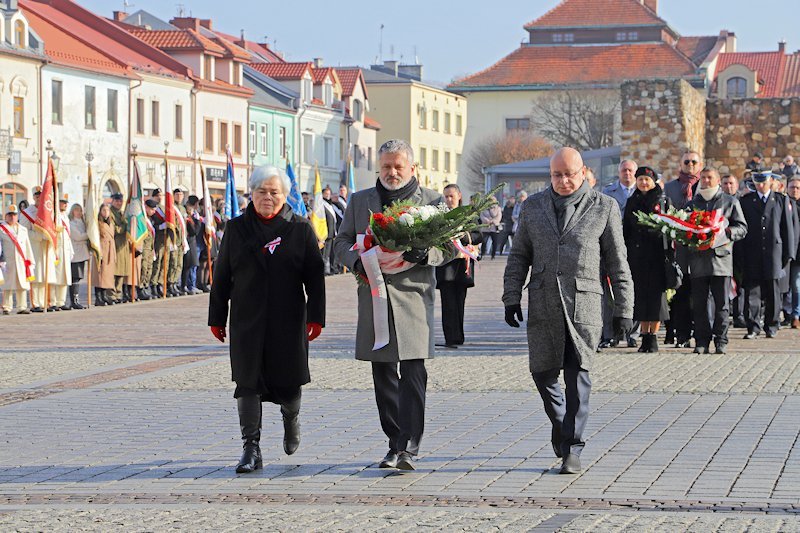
268	262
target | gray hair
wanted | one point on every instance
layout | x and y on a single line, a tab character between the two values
635	165
395	146
266	172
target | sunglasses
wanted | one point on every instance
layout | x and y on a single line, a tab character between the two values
690	162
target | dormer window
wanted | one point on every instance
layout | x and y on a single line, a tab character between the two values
736	87
327	94
208	67
19	33
621	36
558	37
358	109
633	35
308	90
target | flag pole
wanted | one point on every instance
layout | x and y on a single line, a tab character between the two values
89	184
89	282
133	242
206	237
165	262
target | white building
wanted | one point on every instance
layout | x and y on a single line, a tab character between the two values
360	132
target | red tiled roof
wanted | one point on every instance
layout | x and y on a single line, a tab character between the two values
563	65
320	74
580	13
791	77
283	71
233	50
768	67
697	48
186	39
65	49
371	123
349	78
225	87
262	49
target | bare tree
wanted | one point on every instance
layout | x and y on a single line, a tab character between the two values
514	146
582	120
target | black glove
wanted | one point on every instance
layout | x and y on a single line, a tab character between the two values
622	326
416	255
513	314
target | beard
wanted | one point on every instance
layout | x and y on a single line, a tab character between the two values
393	187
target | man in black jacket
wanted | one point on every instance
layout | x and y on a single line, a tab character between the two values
765	252
711	269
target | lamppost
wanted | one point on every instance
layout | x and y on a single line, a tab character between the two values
252	155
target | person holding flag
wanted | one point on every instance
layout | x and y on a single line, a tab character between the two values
138	232
319	220
91	219
63	268
208	242
179	247
122	273
39	220
19	264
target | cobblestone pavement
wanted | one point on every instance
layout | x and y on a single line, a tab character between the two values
106	428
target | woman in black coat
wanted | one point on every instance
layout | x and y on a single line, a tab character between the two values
646	256
268	262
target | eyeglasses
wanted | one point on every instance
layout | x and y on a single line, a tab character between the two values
568	175
691	162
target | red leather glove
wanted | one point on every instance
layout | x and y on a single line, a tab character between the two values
313	330
219	332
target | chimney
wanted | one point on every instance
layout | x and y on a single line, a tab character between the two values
413	72
318	62
652	4
391	66
242	42
206	23
782	46
120	16
186	23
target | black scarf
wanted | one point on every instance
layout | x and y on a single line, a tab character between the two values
403	193
565	206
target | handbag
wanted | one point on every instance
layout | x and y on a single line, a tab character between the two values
672	270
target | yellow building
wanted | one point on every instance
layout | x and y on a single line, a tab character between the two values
431	119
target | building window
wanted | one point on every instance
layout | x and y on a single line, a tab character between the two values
434	159
57	102
19	32
89	107
447	118
111	111
423	118
447	162
12	193
328	154
558	37
282	141
435	120
308	149
369	157
569	37
155	107
308	90
423	157
459	125
621	35
251	138
19	117
223	137
358	109
518	124
264	140
208	143
208	67
237	139
140	116
736	87
458	162
237	74
178	121
327	95
633	35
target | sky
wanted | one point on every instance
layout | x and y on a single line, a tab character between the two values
450	39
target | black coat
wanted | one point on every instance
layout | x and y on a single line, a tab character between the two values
646	254
268	307
718	261
190	258
456	270
768	245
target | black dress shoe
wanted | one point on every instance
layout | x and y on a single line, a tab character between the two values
389	461
720	349
751	335
771	334
448	345
53	309
405	461
701	349
605	344
739	323
571	465
37	310
683	344
632	343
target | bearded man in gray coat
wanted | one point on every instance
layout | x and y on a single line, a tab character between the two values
565	234
411	294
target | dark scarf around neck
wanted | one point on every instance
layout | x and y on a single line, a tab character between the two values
688	182
403	193
565	206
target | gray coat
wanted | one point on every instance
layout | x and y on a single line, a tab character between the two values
717	261
672	190
411	293
565	289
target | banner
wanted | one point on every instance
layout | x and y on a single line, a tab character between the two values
295	199
318	211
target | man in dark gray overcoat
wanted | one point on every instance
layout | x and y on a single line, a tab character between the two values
565	234
411	294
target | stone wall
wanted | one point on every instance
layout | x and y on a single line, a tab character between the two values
661	119
738	128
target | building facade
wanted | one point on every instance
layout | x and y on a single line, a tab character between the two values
273	121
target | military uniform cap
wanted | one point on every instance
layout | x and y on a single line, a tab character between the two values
37	190
12	209
116	196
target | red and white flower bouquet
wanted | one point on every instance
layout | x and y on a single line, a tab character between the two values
697	229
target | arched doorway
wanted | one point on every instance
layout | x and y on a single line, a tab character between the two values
12	193
110	185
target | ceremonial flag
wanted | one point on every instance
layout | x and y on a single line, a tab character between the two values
137	224
351	178
208	209
169	203
231	200
90	218
295	198
46	214
318	211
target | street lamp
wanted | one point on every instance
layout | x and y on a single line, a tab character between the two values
252	155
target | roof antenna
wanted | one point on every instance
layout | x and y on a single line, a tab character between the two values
380	45
125	5
181	10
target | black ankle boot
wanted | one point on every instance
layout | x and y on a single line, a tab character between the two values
653	344
73	296
250	423
143	293
645	346
291	425
108	296
99	300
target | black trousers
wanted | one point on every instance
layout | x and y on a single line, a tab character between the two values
568	412
401	402
763	306
454	297
680	312
738	303
719	288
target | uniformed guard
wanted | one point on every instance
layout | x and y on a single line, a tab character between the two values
63	268
148	254
160	244
177	249
122	291
19	258
40	245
